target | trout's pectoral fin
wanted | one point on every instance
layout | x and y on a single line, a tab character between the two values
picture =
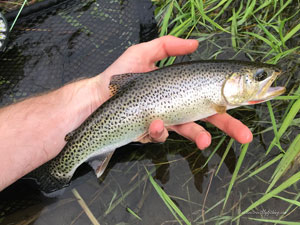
219	108
100	164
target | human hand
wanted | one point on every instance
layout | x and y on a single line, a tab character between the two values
142	58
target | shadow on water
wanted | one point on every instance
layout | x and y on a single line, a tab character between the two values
77	39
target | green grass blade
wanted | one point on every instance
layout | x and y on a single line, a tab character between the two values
262	6
225	154
273	120
193	11
208	210
280	10
267	41
285	162
133	213
281	55
124	196
275	221
218	5
166	18
178	30
297	95
294	202
286	123
205	17
293	179
263	167
233	29
286	98
271	37
248	11
236	170
214	151
19	12
280	31
291	33
228	2
289	208
167	200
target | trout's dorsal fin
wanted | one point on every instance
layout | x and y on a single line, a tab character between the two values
119	81
100	164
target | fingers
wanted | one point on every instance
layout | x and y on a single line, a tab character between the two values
191	131
166	46
233	127
156	133
142	57
194	132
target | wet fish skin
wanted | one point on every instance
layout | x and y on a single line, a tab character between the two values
176	94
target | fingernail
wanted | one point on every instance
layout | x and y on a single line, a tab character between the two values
157	133
247	137
205	140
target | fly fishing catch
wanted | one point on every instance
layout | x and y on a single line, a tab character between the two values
176	94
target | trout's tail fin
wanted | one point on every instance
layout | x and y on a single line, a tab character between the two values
49	185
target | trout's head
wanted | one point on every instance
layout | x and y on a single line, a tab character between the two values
252	85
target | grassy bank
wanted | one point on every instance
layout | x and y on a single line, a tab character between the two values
264	31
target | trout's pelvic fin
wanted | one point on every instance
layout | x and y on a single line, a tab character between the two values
100	164
144	138
219	108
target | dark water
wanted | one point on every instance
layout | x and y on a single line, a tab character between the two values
175	165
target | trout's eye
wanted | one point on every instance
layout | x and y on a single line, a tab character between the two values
260	75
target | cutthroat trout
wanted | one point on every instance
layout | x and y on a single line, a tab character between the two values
176	94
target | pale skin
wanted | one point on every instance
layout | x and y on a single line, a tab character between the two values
32	131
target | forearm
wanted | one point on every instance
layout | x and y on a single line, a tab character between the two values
33	131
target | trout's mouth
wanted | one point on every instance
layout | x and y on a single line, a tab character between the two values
266	92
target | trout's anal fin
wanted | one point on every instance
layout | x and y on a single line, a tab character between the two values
100	164
219	108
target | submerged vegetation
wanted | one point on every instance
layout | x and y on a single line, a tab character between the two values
265	31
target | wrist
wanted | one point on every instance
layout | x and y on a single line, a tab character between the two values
99	87
82	98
